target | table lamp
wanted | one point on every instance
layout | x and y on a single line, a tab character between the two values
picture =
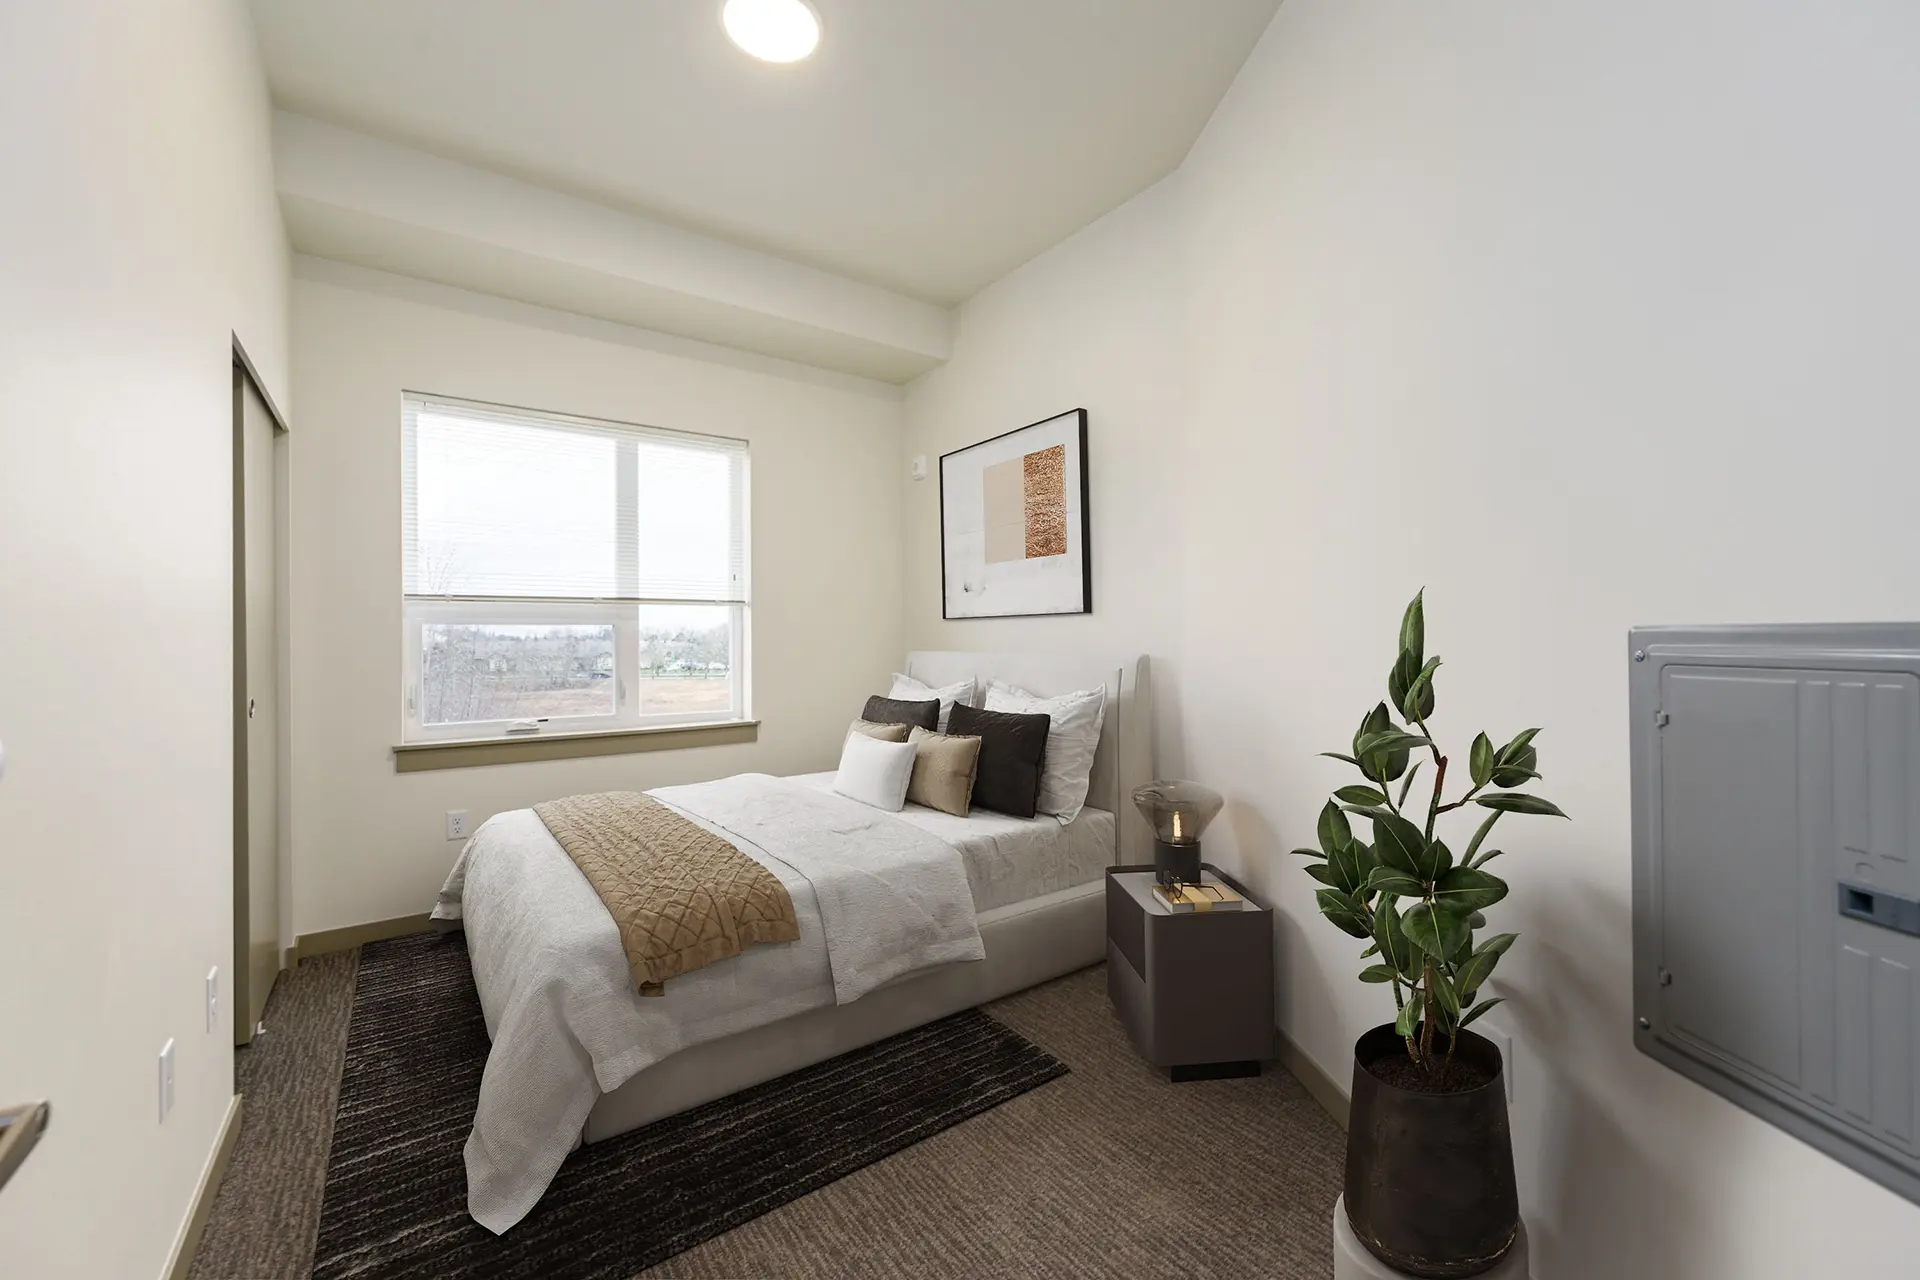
1178	812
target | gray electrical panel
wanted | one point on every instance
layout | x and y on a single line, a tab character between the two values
1776	877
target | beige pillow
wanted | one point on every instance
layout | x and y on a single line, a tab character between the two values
944	766
884	732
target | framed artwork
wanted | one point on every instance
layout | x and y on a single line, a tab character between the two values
1014	527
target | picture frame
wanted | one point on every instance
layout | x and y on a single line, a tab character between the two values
1016	530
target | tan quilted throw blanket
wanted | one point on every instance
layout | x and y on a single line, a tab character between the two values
682	896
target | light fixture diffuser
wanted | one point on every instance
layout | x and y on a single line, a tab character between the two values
772	30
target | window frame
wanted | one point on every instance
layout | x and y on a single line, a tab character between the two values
622	614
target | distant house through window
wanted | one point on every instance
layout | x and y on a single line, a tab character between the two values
565	574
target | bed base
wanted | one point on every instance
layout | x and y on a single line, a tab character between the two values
1026	942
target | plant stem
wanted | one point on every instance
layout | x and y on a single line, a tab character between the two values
1426	1020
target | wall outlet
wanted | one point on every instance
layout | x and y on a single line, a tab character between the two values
919	468
1503	1040
166	1078
213	998
456	824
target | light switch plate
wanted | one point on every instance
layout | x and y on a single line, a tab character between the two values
166	1078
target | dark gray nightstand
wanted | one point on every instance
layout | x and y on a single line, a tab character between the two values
1194	990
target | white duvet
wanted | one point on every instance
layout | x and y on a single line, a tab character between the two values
875	897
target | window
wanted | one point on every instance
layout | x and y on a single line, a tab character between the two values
563	574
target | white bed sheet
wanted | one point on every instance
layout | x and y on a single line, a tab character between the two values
1010	859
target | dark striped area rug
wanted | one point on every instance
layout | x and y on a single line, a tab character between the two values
396	1189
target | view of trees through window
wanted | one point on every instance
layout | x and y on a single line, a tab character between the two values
474	673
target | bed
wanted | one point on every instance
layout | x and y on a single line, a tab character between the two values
578	1055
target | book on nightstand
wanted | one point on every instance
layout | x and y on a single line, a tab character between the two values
1191	899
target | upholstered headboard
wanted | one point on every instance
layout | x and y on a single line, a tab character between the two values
1124	759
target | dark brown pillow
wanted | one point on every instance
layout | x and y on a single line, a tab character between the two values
894	711
1011	749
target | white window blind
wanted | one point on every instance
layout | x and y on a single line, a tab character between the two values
564	574
507	504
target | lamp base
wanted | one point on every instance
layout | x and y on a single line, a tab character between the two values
1176	862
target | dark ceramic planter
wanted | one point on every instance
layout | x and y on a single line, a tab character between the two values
1429	1186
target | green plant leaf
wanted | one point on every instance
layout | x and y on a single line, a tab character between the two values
1486	857
1368	810
1475	1012
1325	874
1413	627
1406	669
1417	702
1332	829
1444	994
1370	952
1433	929
1495	945
1391	740
1343	912
1480	760
1399	844
1466	890
1510	754
1350	867
1436	861
1519	802
1406	783
1409	1017
1335	755
1372	722
1386	765
1477	969
1515	767
1359	796
1377	973
1385	879
1392	939
1307	853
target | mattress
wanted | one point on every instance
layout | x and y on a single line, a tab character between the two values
1009	859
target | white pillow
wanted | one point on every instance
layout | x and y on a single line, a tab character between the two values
911	690
1073	736
875	772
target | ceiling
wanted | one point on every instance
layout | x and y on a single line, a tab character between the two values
929	147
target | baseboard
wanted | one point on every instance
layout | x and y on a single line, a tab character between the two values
1323	1088
354	935
195	1226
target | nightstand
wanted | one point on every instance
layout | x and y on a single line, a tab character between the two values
1194	990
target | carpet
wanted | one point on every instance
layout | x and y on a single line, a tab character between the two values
395	1194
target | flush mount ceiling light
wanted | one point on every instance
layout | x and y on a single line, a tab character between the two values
772	30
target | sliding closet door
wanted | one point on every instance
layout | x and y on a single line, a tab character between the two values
256	712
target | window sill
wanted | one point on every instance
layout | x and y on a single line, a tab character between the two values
466	753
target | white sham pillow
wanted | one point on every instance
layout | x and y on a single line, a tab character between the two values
910	690
875	772
1073	736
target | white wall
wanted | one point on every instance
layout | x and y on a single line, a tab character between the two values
1093	323
368	843
138	231
1582	315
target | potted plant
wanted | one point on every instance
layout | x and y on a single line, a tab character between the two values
1429	1177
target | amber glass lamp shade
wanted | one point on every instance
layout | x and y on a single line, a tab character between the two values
1178	812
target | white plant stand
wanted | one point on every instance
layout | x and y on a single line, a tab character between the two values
1351	1261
